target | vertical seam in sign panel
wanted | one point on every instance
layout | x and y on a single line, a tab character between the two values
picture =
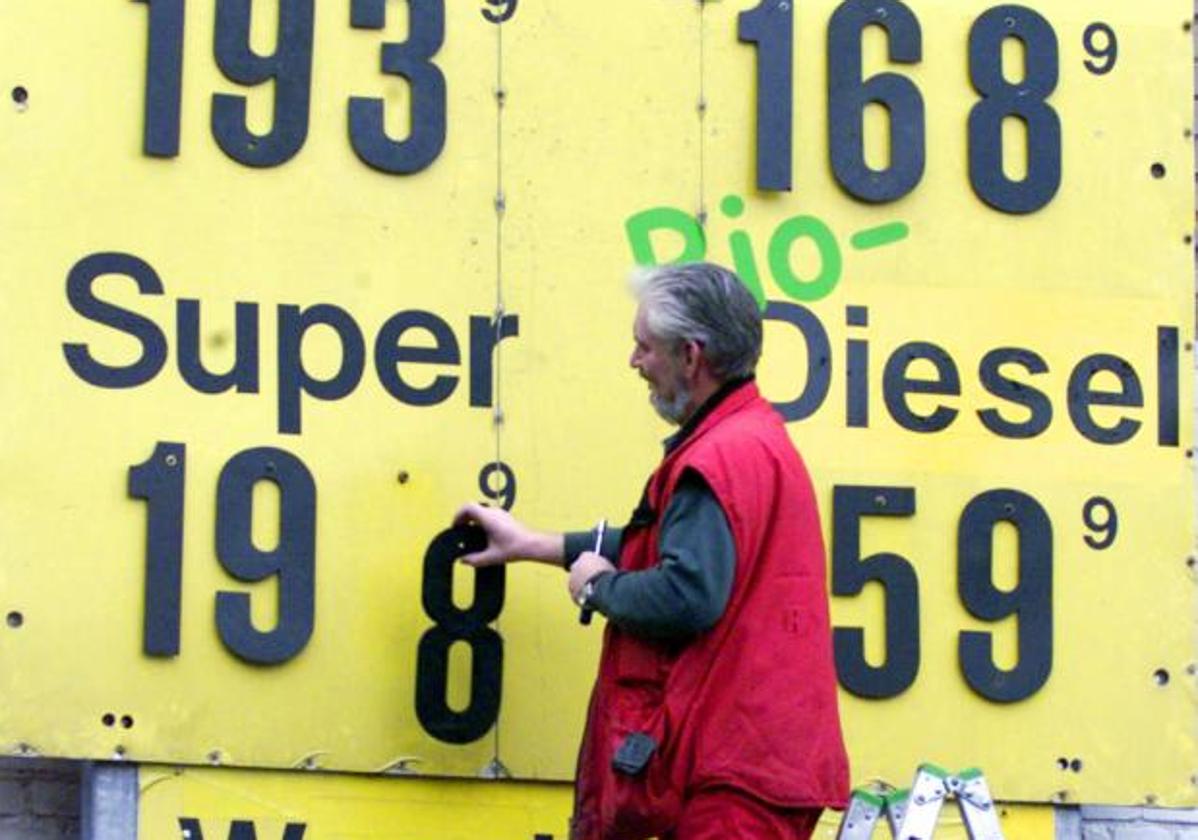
701	107
497	418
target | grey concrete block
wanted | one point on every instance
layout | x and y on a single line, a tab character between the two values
1110	813
109	802
14	796
55	797
1181	816
1141	831
1067	820
25	827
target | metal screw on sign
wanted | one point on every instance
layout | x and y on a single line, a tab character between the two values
495	769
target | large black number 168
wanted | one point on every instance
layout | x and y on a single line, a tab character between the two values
768	27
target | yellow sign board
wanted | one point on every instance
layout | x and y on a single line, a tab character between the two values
207	804
286	283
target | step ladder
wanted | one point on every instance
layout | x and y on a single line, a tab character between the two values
911	814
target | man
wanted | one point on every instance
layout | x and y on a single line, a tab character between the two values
714	711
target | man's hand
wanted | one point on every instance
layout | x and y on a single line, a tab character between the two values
507	538
586	567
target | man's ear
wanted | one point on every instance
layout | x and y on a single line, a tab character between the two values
692	355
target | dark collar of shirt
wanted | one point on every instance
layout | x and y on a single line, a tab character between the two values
726	390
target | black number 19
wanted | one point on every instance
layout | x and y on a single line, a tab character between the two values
160	482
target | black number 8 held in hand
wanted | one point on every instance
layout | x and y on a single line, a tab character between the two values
455	624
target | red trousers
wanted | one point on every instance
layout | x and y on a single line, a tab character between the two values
726	814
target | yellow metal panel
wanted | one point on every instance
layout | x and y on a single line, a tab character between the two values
1097	270
623	126
619	129
323	228
329	806
344	807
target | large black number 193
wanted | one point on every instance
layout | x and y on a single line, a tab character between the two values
288	69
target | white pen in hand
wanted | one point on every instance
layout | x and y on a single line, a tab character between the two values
585	614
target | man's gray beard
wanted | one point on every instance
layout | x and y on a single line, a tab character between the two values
673	410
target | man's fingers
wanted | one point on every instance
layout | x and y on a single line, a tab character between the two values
470	512
478	559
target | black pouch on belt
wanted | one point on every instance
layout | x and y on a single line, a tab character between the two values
633	755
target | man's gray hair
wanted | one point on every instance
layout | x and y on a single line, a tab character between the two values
706	303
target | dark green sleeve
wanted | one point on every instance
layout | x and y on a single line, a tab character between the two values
687	592
577	542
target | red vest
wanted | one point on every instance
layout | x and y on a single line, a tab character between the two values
751	703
